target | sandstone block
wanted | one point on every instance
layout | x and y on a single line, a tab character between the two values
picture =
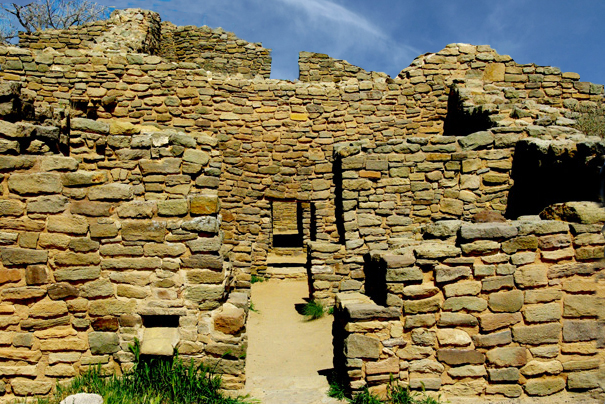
467	371
103	342
77	259
583	380
431	304
11	207
507	357
47	204
39	183
490	231
465	303
103	230
26	387
444	273
48	308
204	204
509	302
83	178
10	275
529	276
230	320
450	336
68	224
77	274
467	288
455	357
203	224
575	212
60	291
544	386
144	230
196	157
173	207
542	313
448	319
111	192
537	334
430	250
360	346
520	243
404	274
507	390
579	330
204	293
580	306
387	366
504	375
535	367
480	247
22	256
490	322
492	340
137	209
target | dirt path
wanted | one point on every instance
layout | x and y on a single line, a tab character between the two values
285	352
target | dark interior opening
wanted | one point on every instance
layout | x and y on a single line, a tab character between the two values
461	122
313	224
153	321
338	204
287	224
545	177
375	272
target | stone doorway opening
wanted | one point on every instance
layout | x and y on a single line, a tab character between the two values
289	229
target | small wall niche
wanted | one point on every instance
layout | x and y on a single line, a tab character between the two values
161	335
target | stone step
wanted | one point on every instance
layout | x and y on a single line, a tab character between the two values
294	259
286	272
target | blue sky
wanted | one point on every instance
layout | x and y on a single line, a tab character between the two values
386	35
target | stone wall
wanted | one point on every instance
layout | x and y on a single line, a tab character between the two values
215	50
489	310
107	243
131	30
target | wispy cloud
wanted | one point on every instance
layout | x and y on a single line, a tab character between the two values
327	10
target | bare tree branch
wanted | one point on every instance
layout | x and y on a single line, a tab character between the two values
44	14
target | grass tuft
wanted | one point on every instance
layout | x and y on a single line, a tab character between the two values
156	381
256	279
313	310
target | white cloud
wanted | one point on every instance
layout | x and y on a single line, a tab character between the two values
325	9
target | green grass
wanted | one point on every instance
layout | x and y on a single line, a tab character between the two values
155	382
256	279
252	308
313	310
395	395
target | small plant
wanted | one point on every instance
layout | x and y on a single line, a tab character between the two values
337	390
400	395
252	308
313	310
331	311
365	397
256	279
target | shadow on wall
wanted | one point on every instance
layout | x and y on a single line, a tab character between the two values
544	174
375	273
460	121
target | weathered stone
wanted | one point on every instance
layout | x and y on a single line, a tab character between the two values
579	330
203	224
230	320
144	230
110	192
137	209
535	367
480	247
575	212
449	336
491	340
77	259
360	346
520	243
544	386
83	178
448	319
504	375
436	250
507	390
465	302
490	322
487	231
529	276
467	371
420	320
445	273
103	230
387	366
580	306
497	282
103	342
542	313
167	165
26	387
58	163
173	207
426	366
89	125
537	334
509	302
11	207
455	357
204	293
466	288
39	183
196	157
206	261
505	357
583	380
404	274
60	291
77	274
68	224
22	256
422	306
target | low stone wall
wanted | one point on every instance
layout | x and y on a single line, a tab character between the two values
107	244
490	310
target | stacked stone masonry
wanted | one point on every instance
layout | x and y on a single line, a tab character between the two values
510	309
179	137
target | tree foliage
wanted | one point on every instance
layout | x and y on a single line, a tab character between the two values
46	14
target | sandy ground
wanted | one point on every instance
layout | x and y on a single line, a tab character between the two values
285	352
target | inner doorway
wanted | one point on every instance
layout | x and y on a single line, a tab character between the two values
287	257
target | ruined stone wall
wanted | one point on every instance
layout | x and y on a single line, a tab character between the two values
489	310
131	30
215	50
101	245
322	68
